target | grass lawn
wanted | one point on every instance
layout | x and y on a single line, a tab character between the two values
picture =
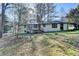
46	44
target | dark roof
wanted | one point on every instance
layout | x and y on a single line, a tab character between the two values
52	23
59	22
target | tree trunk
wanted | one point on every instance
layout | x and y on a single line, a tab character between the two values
0	27
48	13
19	19
2	20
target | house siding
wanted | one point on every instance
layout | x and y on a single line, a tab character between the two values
46	28
22	29
49	28
65	26
71	27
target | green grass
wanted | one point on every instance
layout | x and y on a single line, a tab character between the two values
71	52
67	42
49	44
70	32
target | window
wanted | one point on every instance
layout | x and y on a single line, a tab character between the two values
54	25
43	25
24	30
24	26
35	25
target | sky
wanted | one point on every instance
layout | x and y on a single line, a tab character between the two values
61	8
65	7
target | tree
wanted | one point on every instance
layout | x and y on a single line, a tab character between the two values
39	14
50	10
73	16
2	21
44	9
20	11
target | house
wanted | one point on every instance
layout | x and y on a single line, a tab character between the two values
27	22
30	24
57	26
46	27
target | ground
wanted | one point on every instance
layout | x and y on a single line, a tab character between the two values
45	44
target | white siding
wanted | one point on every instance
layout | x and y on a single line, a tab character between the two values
70	26
49	28
64	26
22	29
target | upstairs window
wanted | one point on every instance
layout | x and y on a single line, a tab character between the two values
54	25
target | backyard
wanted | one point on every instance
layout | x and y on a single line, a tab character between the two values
45	44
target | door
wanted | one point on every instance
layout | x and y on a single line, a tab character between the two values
61	27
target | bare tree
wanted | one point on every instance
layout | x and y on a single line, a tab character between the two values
50	10
20	10
44	9
2	21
